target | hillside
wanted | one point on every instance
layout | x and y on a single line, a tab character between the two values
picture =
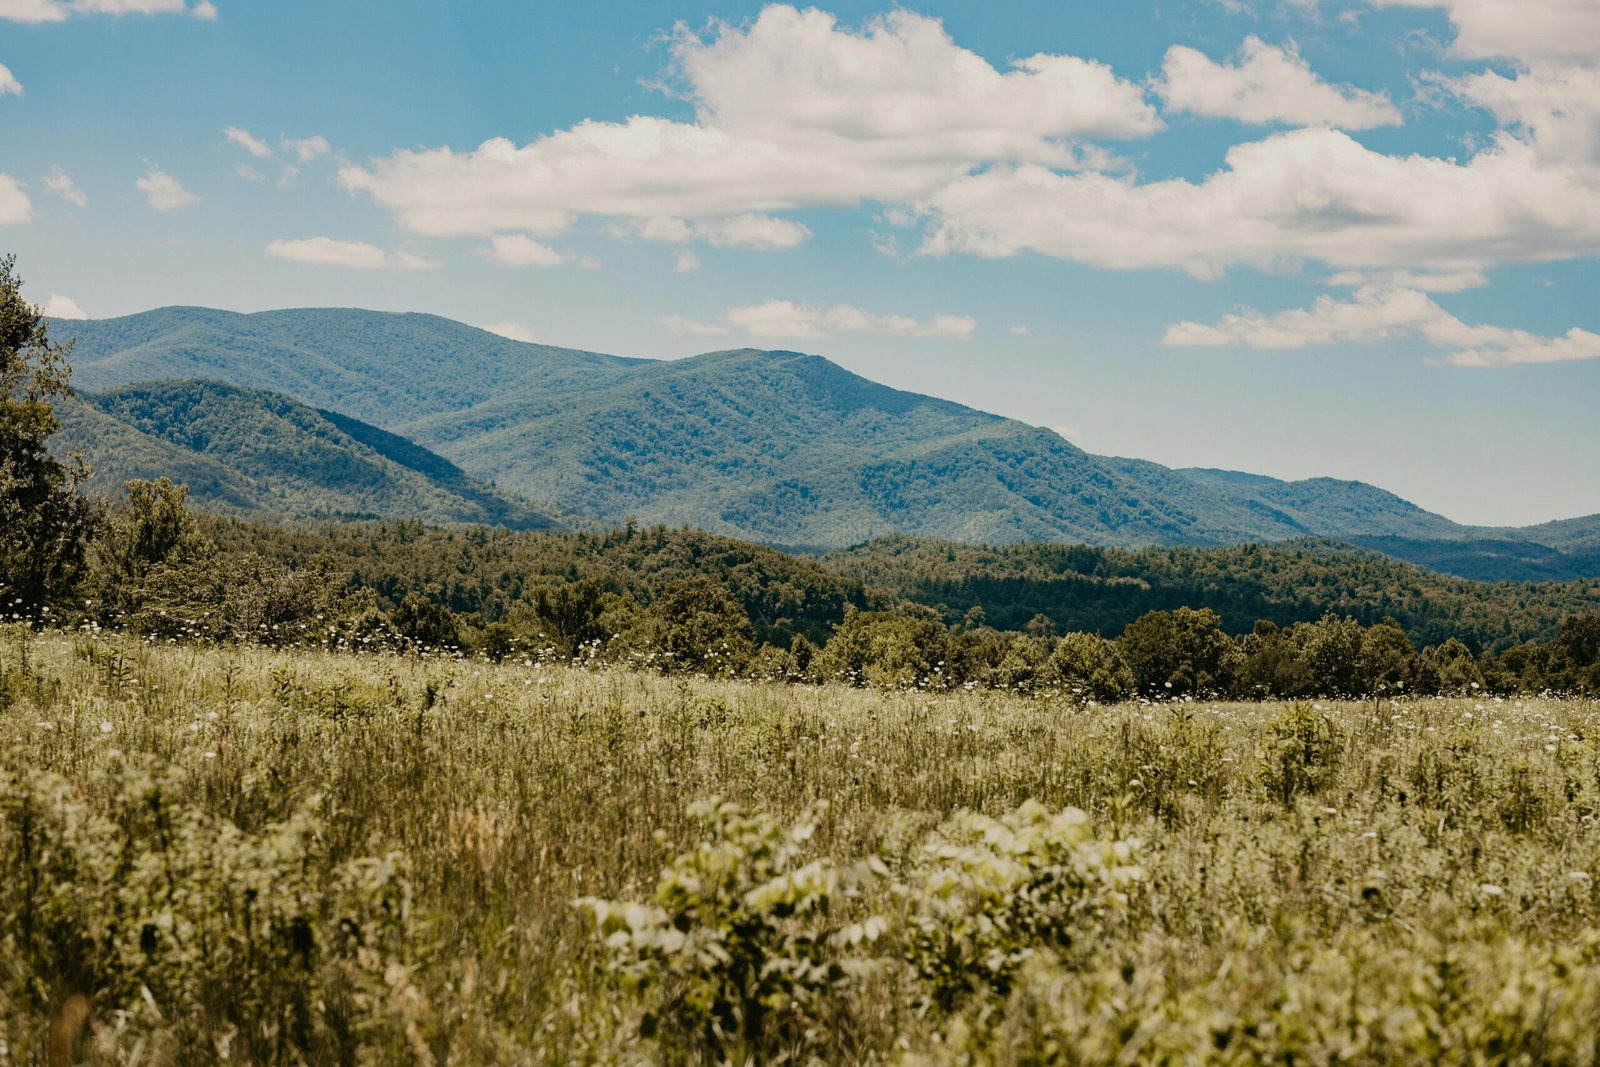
1078	587
251	452
779	447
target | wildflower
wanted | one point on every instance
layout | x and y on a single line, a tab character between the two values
105	727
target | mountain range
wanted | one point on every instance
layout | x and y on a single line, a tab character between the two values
783	448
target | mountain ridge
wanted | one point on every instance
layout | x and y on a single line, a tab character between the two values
781	447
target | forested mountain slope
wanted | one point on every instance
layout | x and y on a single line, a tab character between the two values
251	452
778	447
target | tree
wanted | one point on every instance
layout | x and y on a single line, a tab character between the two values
696	627
155	530
1179	652
44	522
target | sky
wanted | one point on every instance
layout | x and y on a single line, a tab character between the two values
1347	238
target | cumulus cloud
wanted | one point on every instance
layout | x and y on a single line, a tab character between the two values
1556	109
1559	30
9	86
687	262
785	318
36	11
1376	314
791	110
520	250
1312	194
60	183
515	331
249	142
15	207
63	307
1267	85
305	149
164	192
356	255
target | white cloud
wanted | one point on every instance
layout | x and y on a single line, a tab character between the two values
164	192
792	110
516	331
305	149
32	10
60	183
679	324
520	250
1554	108
357	255
248	141
9	86
1312	194
1374	314
1377	314
1451	282
15	207
1560	30
1267	85
249	173
1574	345
785	318
687	262
778	318
765	233
36	11
63	307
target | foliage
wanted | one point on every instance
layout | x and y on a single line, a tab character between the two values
741	958
178	931
988	896
44	522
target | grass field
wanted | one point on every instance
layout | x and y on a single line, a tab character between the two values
236	855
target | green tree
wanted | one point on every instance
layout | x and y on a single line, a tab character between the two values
155	529
44	523
1177	652
888	650
696	627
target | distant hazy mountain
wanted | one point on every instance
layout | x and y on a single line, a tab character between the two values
773	446
251	452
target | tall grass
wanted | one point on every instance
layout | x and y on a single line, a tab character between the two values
244	855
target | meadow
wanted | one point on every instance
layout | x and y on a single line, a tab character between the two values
236	854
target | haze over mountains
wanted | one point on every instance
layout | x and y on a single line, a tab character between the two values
777	447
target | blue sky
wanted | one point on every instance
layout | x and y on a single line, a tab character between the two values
1350	237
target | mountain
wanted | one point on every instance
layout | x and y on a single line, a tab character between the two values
779	447
387	369
252	452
